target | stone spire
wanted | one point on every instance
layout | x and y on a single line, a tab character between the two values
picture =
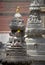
34	22
34	34
17	47
34	5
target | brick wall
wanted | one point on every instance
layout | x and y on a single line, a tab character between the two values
7	11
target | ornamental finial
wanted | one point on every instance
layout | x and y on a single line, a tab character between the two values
17	9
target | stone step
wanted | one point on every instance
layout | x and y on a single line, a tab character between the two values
37	47
35	52
38	57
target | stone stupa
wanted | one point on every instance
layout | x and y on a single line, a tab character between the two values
15	52
34	35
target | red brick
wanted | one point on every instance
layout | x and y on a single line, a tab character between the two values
10	7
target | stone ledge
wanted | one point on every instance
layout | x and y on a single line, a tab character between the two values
42	9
